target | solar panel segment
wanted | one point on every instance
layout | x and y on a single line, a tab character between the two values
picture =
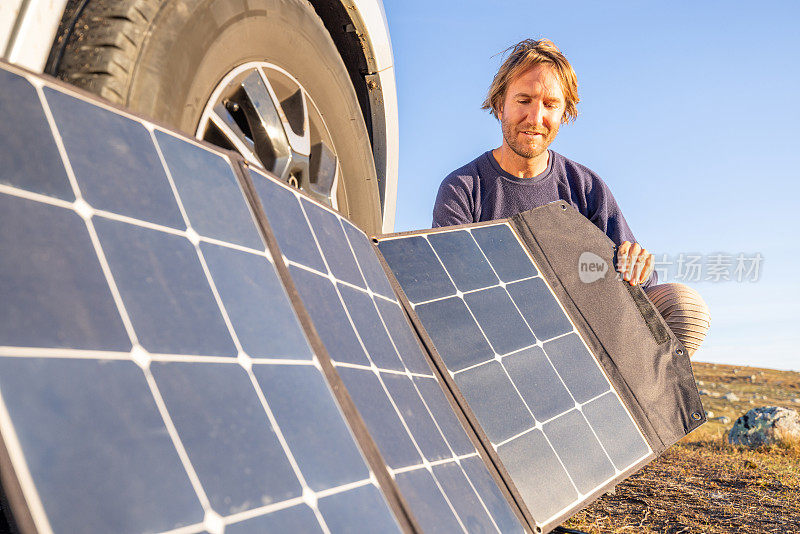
380	361
545	405
153	373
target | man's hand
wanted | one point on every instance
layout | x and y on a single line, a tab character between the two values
634	263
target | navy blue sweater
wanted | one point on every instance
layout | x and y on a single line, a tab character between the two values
482	191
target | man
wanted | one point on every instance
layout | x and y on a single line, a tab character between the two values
533	93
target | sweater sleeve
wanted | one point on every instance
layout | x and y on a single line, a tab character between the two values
454	203
606	214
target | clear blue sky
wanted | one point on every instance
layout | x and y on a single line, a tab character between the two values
689	111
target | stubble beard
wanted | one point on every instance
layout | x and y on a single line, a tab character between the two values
524	150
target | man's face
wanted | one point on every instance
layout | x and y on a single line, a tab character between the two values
532	111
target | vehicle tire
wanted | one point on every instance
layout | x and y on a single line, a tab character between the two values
165	58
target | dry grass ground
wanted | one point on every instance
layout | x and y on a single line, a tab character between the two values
703	484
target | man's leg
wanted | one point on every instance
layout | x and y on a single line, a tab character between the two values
684	311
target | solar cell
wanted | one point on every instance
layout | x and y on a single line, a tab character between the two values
153	372
379	359
114	161
537	391
44	174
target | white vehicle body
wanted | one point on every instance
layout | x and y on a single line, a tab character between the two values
28	27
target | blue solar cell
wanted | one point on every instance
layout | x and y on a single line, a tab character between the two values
380	417
501	246
466	502
419	421
329	316
499	319
455	333
463	260
368	261
53	290
443	414
620	438
114	160
333	243
298	518
539	308
30	158
359	510
257	304
210	192
428	503
533	465
493	398
370	328
576	367
491	495
288	222
312	424
576	445
96	446
165	290
538	383
227	435
416	268
404	338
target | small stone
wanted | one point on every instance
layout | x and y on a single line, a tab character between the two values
724	420
765	426
709	415
736	371
796	401
750	464
701	383
752	378
704	392
730	396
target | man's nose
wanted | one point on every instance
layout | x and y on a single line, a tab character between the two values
536	114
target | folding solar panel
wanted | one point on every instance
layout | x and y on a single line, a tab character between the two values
547	404
154	374
189	345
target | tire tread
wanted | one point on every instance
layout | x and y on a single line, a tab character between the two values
102	45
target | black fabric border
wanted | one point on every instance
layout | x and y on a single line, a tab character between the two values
687	395
369	449
458	403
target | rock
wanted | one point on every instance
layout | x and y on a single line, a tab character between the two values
796	401
704	392
701	383
709	415
752	378
730	396
724	420
765	426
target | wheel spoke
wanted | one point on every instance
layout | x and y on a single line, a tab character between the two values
293	114
233	134
324	171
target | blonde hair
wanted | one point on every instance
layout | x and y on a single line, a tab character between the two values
525	55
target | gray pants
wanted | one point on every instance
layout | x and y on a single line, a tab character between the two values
684	311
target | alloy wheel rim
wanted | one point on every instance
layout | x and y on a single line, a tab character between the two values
265	114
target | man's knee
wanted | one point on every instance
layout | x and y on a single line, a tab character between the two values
684	310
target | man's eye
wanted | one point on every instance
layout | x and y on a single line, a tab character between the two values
522	101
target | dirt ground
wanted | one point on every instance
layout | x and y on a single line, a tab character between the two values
703	484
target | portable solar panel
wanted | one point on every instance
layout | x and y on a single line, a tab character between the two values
153	372
189	345
556	415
